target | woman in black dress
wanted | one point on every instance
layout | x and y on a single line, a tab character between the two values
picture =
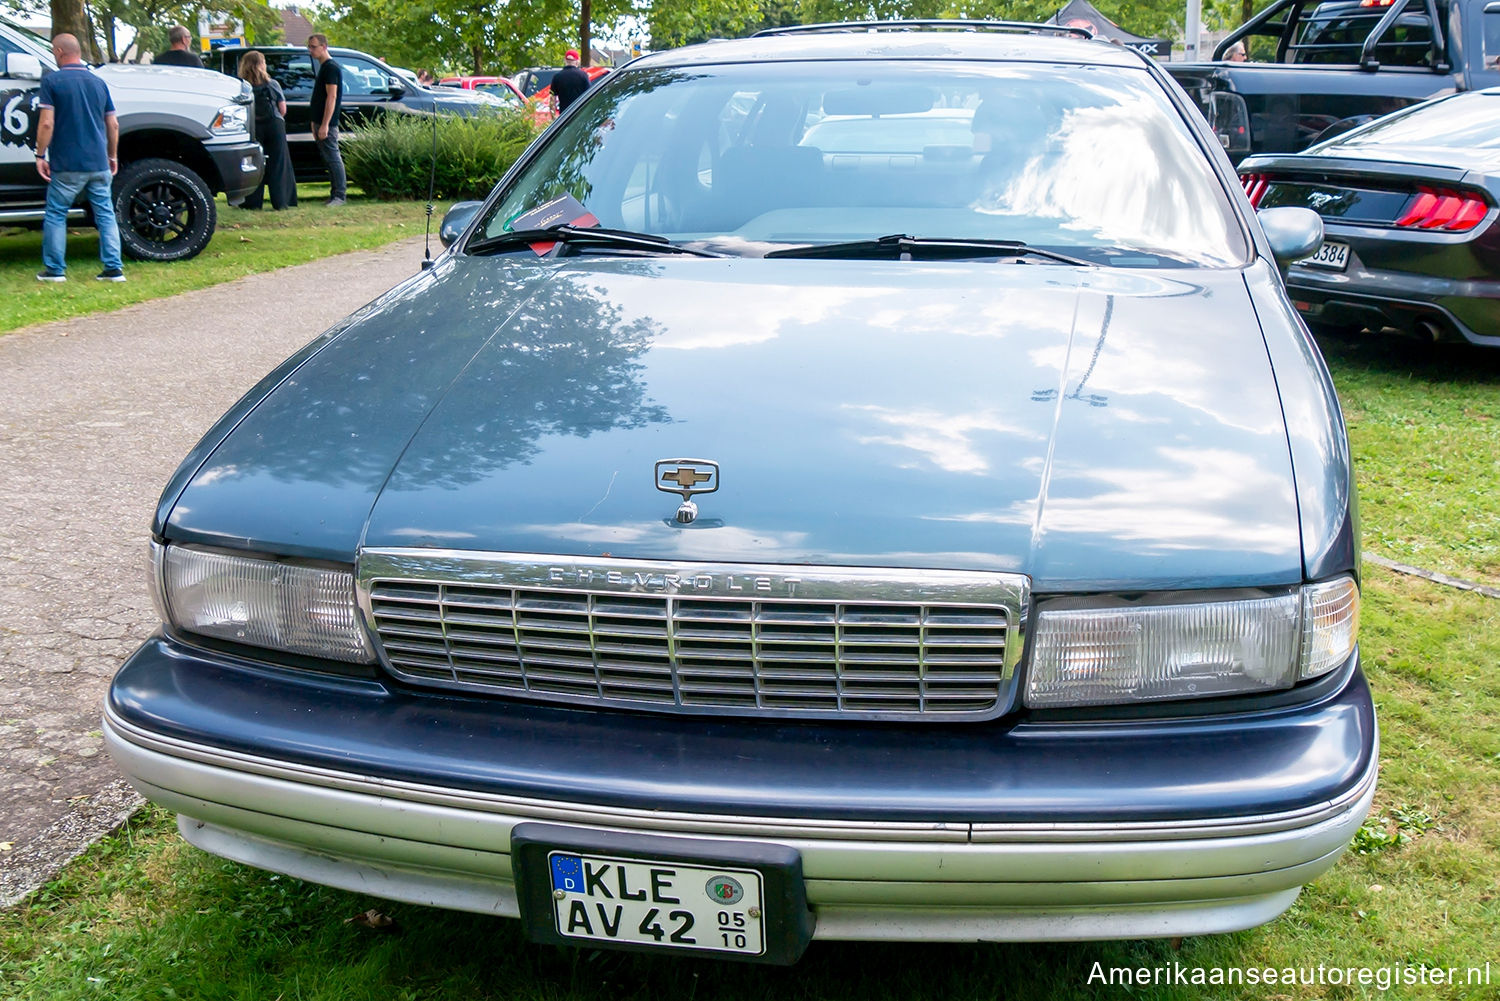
270	130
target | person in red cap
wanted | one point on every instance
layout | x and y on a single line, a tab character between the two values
569	83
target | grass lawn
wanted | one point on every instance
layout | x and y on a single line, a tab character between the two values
145	916
1424	423
245	243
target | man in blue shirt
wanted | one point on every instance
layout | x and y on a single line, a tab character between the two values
77	142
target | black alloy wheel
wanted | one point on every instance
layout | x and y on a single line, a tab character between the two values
165	211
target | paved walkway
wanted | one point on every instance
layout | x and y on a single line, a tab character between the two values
94	416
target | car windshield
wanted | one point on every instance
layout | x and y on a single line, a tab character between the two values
1094	162
1465	121
499	90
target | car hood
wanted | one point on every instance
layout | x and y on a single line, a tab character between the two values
155	79
1094	428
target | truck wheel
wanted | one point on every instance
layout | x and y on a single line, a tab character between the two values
165	211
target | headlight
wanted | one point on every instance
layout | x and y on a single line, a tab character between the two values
263	602
230	118
1093	656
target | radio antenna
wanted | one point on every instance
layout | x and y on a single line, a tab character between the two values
431	187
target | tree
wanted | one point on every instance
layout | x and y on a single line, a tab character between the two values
685	23
72	17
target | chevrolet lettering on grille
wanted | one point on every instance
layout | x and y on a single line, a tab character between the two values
646	580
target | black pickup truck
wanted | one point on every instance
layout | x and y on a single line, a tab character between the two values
1318	69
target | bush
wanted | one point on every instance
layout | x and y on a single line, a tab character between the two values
392	156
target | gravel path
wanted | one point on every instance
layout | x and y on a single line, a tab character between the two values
94	416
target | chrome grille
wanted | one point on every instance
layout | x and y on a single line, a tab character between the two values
482	623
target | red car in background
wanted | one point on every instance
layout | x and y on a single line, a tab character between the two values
499	86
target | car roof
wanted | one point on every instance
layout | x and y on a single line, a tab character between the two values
998	46
335	49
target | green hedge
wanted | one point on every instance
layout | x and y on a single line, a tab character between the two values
392	156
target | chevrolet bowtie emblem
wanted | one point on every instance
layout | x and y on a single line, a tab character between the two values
687	477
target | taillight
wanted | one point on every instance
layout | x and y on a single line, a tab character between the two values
1255	187
1445	209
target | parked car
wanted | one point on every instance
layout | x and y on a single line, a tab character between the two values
1317	68
184	137
729	542
1409	205
371	88
499	86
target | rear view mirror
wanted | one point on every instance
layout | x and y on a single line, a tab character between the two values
1294	233
456	220
877	99
20	66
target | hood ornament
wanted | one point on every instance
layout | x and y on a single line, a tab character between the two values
687	477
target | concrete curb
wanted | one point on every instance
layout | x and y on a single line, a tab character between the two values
1434	576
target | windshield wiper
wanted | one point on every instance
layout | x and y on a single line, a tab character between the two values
902	247
581	236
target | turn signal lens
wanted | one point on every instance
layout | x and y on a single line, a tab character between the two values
1445	209
1330	625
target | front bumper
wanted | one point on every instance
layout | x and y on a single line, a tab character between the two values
240	167
980	832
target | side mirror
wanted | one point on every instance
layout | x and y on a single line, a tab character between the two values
20	66
1294	233
396	89
457	219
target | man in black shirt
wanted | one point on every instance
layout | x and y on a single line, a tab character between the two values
569	83
327	96
179	54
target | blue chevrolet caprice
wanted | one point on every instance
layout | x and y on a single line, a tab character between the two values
845	484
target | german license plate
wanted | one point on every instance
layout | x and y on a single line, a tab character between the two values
737	900
1333	256
657	903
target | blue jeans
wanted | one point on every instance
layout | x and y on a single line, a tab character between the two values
329	150
62	191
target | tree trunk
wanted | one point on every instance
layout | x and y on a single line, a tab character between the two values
585	15
474	52
1247	10
69	16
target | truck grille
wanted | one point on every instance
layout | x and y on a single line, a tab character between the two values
694	648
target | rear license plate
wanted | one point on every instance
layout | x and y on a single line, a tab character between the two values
656	903
735	900
1333	256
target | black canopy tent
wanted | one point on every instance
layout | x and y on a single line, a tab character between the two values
1082	14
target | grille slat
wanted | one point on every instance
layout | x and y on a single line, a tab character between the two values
752	656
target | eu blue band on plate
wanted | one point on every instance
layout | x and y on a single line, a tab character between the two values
567	873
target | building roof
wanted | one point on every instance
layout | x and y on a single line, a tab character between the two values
294	26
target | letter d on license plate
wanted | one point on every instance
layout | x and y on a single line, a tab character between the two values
733	899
